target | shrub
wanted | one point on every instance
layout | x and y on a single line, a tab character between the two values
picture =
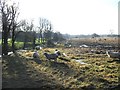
50	43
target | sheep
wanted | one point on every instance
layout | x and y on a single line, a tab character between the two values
84	46
38	47
57	52
10	53
35	54
51	56
113	54
97	51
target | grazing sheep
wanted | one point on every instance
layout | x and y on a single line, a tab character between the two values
57	52
38	47
84	46
97	51
35	54
113	54
51	56
10	53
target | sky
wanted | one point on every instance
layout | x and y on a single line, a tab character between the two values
73	17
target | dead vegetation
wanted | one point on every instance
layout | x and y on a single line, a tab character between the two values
100	72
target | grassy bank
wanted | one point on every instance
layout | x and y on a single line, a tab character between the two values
23	71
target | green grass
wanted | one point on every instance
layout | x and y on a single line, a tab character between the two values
37	41
0	41
19	44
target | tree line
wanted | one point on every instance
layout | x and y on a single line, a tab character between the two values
11	28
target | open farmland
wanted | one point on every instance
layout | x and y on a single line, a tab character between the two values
97	72
112	42
60	45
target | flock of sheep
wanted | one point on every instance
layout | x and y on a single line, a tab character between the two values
57	53
52	56
113	54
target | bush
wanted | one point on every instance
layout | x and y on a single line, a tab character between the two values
18	45
50	43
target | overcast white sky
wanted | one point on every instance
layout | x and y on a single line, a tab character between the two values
74	16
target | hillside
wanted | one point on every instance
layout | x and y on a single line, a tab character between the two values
98	72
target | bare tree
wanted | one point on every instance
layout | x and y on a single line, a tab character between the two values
9	14
45	29
32	28
28	28
41	27
34	39
15	14
24	27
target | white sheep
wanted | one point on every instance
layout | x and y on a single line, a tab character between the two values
113	54
10	53
38	47
57	52
51	56
84	46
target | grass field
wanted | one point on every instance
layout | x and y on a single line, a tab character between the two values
99	73
19	44
113	41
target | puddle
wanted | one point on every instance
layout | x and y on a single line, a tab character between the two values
80	61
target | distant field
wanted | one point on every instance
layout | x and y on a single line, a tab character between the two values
88	41
105	43
99	40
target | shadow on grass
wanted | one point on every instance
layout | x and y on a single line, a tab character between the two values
38	61
17	74
62	68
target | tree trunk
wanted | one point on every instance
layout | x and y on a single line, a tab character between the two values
4	39
5	44
25	40
34	38
40	37
2	42
13	40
